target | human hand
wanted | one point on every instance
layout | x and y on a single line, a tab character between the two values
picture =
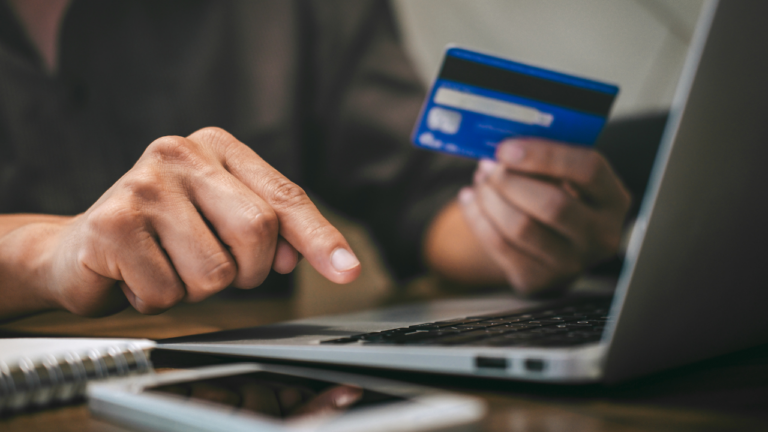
545	211
192	217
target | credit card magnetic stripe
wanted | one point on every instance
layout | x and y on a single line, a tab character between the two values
534	87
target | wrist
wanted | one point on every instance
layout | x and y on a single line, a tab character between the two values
27	255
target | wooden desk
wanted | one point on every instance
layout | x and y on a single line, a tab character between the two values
729	393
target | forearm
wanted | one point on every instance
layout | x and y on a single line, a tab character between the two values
453	251
25	250
10	222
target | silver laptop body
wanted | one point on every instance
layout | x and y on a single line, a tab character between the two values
692	285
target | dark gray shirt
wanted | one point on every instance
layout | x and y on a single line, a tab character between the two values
319	89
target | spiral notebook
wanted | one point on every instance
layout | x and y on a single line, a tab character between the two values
36	372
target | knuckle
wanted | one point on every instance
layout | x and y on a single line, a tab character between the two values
213	134
147	307
172	149
284	193
255	279
256	224
592	167
324	231
164	299
114	219
219	275
557	206
144	186
159	302
216	139
523	227
547	155
495	242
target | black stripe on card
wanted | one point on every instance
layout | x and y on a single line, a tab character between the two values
527	86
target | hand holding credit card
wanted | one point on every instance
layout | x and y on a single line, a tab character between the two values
479	100
543	206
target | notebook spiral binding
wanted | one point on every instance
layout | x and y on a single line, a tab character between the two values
57	380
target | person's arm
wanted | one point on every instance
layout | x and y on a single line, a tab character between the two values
192	217
9	222
24	240
535	219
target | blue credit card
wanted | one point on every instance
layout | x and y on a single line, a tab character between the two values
479	100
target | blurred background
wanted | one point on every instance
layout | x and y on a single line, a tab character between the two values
639	45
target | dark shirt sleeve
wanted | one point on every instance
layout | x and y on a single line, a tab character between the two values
358	155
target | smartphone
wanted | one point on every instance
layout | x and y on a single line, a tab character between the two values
253	396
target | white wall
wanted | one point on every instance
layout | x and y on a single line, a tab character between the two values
638	44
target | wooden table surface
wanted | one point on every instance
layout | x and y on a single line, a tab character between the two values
728	393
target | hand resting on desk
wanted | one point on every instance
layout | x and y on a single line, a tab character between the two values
192	217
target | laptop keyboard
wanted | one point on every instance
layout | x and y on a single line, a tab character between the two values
563	326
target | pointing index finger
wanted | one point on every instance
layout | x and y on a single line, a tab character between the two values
300	222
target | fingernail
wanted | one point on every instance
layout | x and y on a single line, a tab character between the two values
484	170
344	400
510	153
343	260
466	195
487	166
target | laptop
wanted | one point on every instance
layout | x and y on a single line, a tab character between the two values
692	286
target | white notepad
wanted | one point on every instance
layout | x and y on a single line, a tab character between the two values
42	371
